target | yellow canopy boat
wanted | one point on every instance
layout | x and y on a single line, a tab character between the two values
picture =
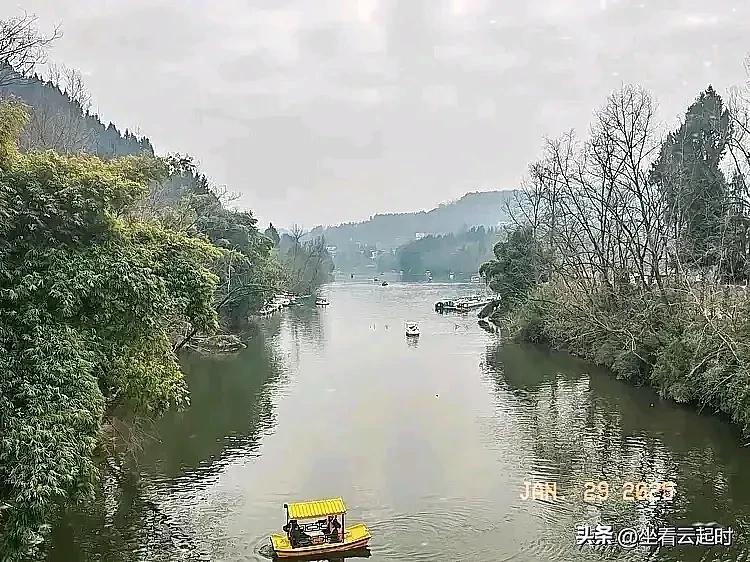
320	537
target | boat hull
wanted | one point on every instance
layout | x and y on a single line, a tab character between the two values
310	552
356	538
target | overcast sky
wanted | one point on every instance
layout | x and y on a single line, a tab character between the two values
323	112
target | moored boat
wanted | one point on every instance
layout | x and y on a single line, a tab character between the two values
321	537
322	301
446	304
412	330
462	304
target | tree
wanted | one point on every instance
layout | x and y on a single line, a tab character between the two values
688	173
248	272
64	127
22	47
272	234
305	264
516	267
88	296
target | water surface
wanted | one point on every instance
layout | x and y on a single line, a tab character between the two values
429	442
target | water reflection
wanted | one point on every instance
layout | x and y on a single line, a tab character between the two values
430	443
582	425
231	407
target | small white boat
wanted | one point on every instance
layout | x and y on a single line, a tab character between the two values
322	301
412	330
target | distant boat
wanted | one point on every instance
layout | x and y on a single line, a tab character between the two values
462	304
475	279
384	283
446	304
322	301
412	330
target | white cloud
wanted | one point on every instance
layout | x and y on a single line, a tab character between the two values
328	102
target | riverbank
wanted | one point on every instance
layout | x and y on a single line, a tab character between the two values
428	443
690	350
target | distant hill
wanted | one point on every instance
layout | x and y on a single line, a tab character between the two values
59	122
391	230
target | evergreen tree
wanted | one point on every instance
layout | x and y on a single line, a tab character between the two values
272	234
687	170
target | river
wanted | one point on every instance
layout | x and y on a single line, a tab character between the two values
429	442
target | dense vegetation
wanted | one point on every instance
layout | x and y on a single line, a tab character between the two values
306	264
461	253
88	298
111	260
631	249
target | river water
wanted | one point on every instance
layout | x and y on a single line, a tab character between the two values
429	442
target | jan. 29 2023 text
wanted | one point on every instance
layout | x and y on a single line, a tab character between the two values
601	491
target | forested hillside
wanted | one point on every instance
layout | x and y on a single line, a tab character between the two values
443	254
388	231
113	259
60	117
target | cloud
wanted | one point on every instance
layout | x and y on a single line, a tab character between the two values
326	111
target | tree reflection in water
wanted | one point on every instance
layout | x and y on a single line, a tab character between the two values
231	407
581	424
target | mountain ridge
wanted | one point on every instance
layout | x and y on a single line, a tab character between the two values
391	230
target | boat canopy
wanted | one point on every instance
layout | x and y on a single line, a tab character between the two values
316	508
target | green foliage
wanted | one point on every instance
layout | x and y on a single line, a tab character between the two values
688	172
517	266
87	298
442	254
272	234
658	316
247	269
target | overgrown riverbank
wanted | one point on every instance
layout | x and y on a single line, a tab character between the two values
632	250
689	351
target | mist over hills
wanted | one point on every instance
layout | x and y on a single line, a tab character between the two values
391	230
60	119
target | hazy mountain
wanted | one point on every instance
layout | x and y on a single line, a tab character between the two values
387	231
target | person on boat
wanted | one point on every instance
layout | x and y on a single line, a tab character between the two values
296	535
332	529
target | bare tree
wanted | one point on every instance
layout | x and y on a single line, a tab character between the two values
592	205
64	127
22	47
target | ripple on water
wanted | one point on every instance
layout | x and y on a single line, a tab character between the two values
449	529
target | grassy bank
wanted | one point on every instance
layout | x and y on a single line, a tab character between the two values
692	345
